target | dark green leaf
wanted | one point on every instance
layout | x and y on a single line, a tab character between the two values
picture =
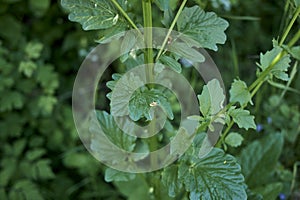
163	4
216	176
141	103
171	181
206	28
260	157
92	15
270	191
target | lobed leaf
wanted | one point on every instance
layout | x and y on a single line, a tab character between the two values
206	28
242	118
239	92
92	14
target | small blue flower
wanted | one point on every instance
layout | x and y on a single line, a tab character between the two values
269	120
259	128
282	196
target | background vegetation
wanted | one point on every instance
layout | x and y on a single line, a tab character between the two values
40	53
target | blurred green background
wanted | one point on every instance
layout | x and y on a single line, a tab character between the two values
42	156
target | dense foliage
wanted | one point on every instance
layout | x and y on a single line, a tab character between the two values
258	153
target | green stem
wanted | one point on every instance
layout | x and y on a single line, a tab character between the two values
147	14
125	15
255	86
294	39
170	29
289	26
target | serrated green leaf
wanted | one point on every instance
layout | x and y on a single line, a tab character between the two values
141	103
171	62
115	175
112	131
212	98
279	69
204	177
239	92
234	139
270	191
206	28
121	98
171	181
242	118
259	159
92	15
183	50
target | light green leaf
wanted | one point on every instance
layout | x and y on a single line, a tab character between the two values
297	3
259	158
171	62
46	104
270	191
27	68
280	68
115	175
212	98
242	118
206	28
239	92
183	50
234	139
92	15
33	50
141	102
216	176
171	181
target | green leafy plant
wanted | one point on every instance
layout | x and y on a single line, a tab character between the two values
218	175
257	157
